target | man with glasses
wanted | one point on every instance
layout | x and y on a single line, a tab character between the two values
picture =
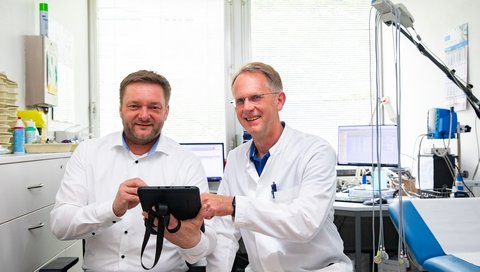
278	189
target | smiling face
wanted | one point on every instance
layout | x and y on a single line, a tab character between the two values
261	118
143	111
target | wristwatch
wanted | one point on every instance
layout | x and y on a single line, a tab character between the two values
233	206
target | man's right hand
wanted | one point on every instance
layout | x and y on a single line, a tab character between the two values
127	196
216	205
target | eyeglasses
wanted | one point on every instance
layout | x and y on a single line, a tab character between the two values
254	99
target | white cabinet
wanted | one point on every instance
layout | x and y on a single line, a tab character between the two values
29	185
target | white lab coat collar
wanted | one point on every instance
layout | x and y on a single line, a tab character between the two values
284	137
274	150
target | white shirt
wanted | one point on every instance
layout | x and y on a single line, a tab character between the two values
83	208
294	231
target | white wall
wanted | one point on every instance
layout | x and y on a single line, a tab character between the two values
20	17
423	84
422	81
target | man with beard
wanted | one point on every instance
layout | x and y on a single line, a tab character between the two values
98	202
278	189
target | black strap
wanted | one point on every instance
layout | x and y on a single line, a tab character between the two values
161	213
176	228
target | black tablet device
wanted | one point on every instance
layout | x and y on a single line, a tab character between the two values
182	201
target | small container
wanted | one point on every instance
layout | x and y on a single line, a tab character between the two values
30	132
459	183
44	19
19	137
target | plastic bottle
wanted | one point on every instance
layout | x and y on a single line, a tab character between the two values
19	137
459	183
379	178
364	177
458	189
44	19
30	132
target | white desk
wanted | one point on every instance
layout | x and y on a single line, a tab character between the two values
358	210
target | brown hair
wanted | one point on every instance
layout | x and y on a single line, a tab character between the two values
146	77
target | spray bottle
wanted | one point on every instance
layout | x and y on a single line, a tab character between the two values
19	137
44	19
30	132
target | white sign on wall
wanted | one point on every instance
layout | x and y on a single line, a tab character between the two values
456	58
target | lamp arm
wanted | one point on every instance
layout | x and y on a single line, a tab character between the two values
472	100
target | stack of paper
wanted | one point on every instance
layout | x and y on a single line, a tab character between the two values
8	112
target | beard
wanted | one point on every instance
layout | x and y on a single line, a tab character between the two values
141	138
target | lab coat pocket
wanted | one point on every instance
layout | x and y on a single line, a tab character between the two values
286	195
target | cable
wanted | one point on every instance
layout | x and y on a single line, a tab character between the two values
378	88
418	161
478	150
372	108
414	149
401	252
381	253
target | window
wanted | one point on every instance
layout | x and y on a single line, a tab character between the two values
319	47
321	50
182	40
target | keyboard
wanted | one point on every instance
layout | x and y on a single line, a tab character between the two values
346	198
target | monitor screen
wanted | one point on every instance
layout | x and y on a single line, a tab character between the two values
212	157
357	145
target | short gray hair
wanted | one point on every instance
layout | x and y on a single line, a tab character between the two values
273	78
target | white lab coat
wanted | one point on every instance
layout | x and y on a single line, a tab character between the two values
292	231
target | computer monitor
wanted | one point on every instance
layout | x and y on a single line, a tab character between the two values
357	145
212	158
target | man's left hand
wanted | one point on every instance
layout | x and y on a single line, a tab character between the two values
189	233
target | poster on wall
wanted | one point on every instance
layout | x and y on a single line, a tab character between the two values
52	70
456	58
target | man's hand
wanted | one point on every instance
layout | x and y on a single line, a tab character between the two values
189	233
127	197
216	205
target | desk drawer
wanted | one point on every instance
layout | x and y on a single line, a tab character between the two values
25	249
29	186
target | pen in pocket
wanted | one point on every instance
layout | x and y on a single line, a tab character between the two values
274	189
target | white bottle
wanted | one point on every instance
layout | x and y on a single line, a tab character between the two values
30	132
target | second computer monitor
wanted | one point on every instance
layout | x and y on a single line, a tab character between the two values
212	157
357	145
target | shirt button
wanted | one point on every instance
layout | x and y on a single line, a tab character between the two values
136	161
126	232
123	256
114	222
93	233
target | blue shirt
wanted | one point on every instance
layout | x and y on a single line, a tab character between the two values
150	152
259	163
